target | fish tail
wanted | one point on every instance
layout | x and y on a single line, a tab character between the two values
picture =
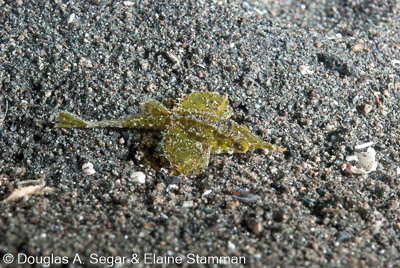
67	120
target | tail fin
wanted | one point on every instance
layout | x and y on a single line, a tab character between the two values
67	120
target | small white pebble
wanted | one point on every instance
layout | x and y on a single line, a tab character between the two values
165	217
128	3
138	177
273	170
364	145
329	127
71	18
231	246
88	169
206	193
87	165
358	46
386	93
304	69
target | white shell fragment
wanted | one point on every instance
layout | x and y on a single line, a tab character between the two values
231	246
26	192
206	193
304	69
366	160
71	18
138	177
364	145
88	169
128	3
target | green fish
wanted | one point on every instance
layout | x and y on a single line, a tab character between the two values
197	126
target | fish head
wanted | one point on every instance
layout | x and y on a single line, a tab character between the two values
245	140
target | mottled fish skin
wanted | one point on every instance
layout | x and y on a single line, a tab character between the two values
196	127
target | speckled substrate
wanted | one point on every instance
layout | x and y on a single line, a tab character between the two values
316	79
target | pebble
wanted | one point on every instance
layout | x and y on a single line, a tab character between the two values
386	93
365	108
128	3
88	169
245	197
342	236
364	145
71	18
304	70
138	177
231	246
206	193
254	226
318	44
358	46
187	204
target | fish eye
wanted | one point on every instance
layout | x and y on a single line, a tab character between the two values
241	145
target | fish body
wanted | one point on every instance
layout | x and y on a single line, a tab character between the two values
196	127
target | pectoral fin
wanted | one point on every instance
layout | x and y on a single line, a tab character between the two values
186	155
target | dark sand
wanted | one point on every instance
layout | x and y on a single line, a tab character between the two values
317	79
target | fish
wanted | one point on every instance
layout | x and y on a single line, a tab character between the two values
197	126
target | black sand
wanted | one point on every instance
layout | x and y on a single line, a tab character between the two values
317	79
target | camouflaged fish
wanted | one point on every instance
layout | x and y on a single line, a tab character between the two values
196	127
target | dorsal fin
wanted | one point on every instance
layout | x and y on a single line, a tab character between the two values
204	103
